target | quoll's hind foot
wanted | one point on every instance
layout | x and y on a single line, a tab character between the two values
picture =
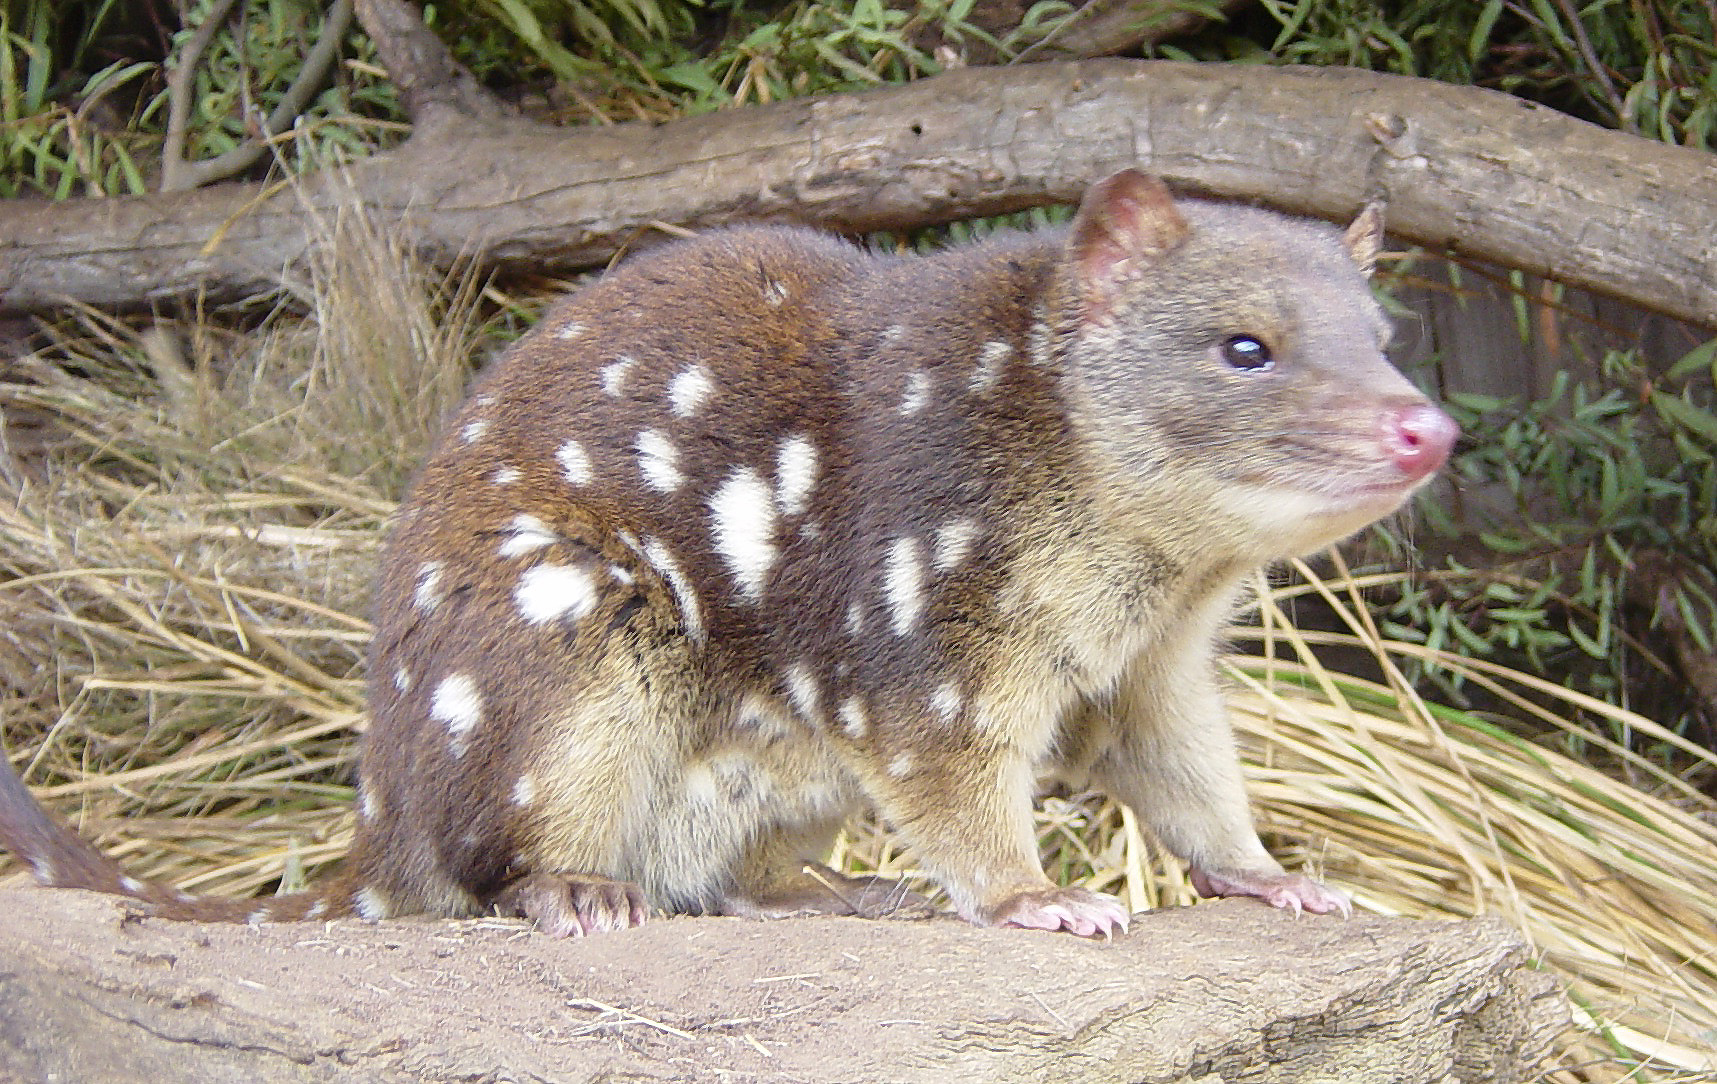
819	890
1076	910
574	904
1289	891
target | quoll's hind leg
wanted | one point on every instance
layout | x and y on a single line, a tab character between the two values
1173	760
529	686
777	880
574	904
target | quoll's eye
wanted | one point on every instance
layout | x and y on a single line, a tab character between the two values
1247	354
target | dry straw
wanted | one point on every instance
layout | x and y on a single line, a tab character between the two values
188	522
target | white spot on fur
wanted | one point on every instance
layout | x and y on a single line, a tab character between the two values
472	431
574	463
527	534
901	766
614	375
947	701
893	333
572	329
505	476
457	706
370	904
428	594
903	584
991	360
855	618
953	543
366	804
701	787
853	719
689	389
1041	344
317	910
548	592
774	291
802	691
133	885
257	917
758	713
525	790
621	576
658	461
691	613
44	872
795	473
917	393
743	520
402	679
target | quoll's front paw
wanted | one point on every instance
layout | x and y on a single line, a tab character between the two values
1289	891
574	904
1075	910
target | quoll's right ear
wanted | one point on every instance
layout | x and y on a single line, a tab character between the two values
1364	237
1125	221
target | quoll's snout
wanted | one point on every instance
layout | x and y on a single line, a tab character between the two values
1419	438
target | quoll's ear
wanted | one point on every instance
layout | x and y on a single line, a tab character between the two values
1364	237
1126	220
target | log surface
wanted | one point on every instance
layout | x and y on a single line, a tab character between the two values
1230	991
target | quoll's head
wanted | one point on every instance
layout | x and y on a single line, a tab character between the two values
1240	352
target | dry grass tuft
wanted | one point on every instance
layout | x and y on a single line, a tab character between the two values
188	519
1427	810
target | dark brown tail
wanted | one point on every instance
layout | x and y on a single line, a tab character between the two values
60	858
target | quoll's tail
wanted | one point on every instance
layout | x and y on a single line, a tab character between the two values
59	858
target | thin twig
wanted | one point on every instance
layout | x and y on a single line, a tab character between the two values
179	86
1596	66
178	174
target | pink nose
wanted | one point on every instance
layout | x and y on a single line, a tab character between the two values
1419	438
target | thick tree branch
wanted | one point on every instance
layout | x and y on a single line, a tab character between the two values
434	87
1462	168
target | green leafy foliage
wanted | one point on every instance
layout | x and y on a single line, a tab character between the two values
1596	514
83	82
84	101
672	57
50	139
1647	67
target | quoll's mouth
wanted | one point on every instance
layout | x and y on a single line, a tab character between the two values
1408	445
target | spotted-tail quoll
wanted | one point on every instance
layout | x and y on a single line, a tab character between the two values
764	528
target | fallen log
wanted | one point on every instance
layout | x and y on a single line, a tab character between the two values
1463	169
1230	991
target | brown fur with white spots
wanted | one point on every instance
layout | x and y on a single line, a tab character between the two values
761	529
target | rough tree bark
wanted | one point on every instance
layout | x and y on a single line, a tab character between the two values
1231	992
1468	169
